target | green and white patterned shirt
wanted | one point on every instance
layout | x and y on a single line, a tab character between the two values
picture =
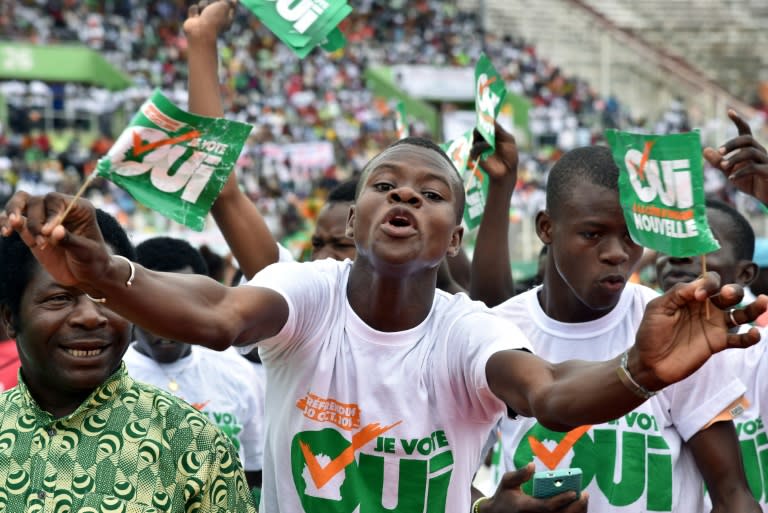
129	448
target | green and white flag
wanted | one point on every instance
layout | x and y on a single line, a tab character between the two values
303	24
490	92
174	162
475	179
662	191
401	121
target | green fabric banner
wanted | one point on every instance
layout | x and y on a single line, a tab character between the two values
303	24
662	191
174	162
59	63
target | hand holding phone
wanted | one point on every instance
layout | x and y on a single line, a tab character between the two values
554	482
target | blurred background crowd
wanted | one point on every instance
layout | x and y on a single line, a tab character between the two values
316	121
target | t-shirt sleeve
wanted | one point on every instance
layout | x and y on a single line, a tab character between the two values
308	290
473	340
700	397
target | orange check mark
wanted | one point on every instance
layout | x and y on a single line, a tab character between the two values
485	85
644	159
139	147
553	458
321	475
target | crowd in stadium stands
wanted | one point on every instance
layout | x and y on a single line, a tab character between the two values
322	98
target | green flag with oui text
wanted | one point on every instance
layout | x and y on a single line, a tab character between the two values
662	192
174	162
303	24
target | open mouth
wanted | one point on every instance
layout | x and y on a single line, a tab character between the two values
399	222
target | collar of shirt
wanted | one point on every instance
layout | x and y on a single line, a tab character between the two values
118	383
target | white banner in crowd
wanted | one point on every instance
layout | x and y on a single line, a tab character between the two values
436	83
304	156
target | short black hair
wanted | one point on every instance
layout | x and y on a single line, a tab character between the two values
344	192
741	232
423	142
168	254
590	164
18	263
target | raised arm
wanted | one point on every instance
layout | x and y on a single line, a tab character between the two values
189	308
675	338
239	220
491	272
743	160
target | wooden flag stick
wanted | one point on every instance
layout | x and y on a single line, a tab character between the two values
473	171
77	196
703	272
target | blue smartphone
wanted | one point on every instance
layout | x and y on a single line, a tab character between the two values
553	482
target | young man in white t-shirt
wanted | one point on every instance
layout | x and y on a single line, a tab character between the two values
652	458
222	385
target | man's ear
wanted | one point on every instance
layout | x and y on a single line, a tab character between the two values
350	232
7	320
455	245
544	226
746	272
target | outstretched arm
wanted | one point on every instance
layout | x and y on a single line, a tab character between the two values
743	160
190	308
491	272
238	218
675	338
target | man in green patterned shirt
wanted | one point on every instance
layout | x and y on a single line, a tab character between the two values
77	433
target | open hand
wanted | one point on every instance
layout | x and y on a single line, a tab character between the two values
676	336
509	498
743	160
72	251
206	20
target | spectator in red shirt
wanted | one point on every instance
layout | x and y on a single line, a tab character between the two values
9	361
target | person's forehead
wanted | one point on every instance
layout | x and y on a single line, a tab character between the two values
410	157
586	201
333	218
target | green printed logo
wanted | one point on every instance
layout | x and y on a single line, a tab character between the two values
754	453
624	464
329	478
229	425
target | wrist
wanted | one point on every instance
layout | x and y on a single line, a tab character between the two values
641	373
481	505
509	180
200	38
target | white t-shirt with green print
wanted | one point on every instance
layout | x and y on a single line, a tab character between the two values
638	463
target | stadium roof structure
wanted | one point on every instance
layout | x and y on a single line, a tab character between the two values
59	63
707	52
